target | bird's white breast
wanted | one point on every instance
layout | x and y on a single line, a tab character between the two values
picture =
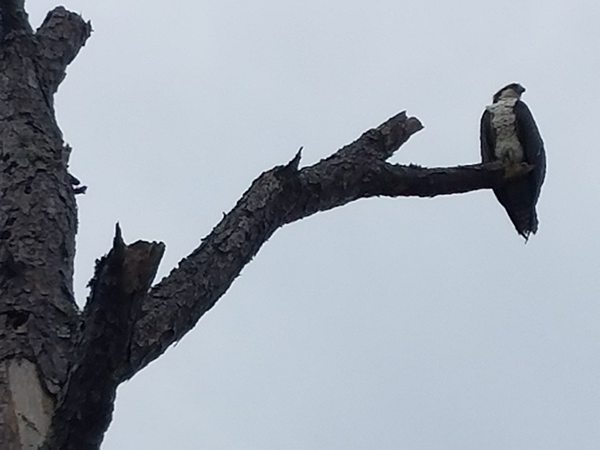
508	148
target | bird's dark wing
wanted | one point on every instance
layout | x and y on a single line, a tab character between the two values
487	138
518	199
533	146
519	196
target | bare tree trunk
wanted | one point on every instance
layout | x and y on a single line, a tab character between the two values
60	367
39	321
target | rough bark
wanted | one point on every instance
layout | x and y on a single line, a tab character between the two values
122	279
283	195
60	368
13	17
39	321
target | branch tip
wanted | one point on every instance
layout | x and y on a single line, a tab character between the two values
295	162
413	125
396	131
118	243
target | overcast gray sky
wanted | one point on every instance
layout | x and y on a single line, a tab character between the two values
419	324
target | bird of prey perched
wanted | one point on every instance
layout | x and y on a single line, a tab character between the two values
509	134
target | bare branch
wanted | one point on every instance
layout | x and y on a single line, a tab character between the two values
60	37
121	281
279	196
324	187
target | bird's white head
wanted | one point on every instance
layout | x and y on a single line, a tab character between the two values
513	90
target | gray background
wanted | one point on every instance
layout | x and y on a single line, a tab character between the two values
385	324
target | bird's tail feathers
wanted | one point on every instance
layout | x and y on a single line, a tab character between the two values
520	207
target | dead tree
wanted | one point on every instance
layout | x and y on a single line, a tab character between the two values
59	366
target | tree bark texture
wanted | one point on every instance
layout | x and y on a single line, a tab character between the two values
59	366
39	321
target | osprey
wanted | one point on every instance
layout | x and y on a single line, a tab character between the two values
509	134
